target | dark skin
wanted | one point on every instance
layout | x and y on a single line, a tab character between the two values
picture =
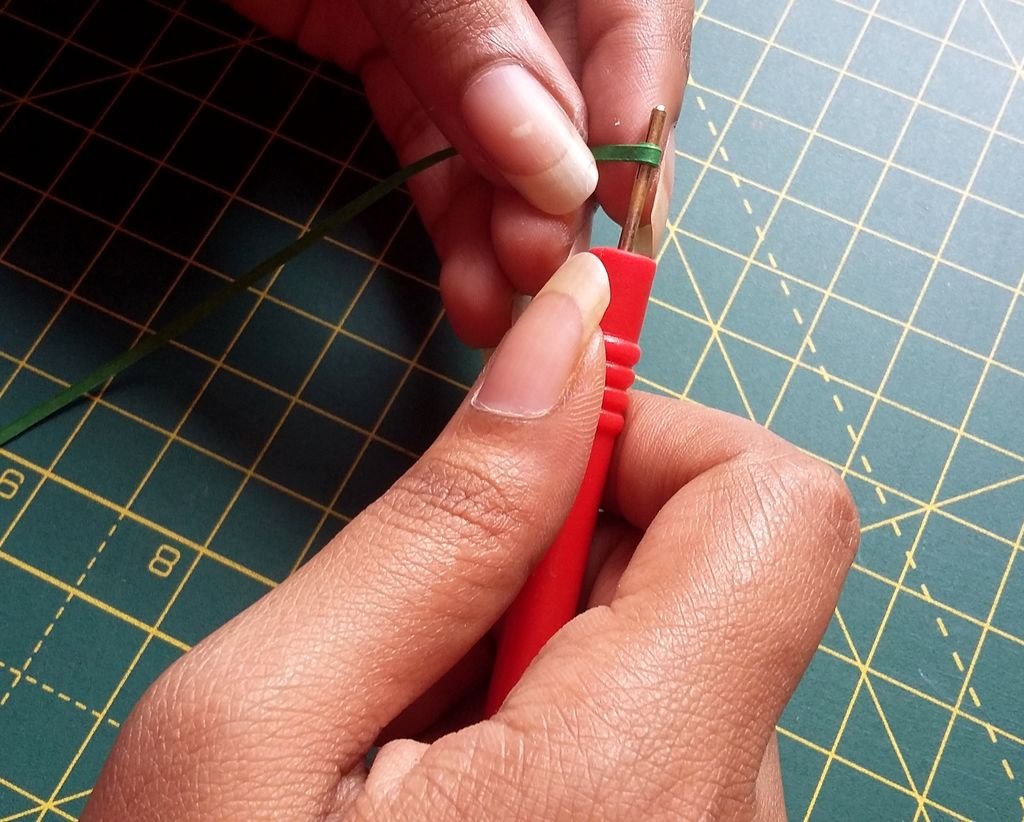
606	62
714	570
715	576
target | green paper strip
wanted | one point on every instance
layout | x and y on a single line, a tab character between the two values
645	153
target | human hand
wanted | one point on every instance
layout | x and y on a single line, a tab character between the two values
476	74
714	574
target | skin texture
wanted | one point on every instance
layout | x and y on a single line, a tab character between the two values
607	62
715	573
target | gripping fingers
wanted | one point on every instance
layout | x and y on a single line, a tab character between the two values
662	704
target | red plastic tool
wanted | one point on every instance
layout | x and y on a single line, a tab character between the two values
551	595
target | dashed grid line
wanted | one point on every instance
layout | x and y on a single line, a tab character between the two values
798	318
840	409
19	675
125	512
808	343
21	672
227	509
863	680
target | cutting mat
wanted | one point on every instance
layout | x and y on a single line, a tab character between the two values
844	266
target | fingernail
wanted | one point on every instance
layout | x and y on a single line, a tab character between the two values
530	139
392	765
582	241
530	368
519	305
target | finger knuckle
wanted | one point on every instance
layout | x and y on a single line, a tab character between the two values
428	18
473	509
182	700
463	497
811	492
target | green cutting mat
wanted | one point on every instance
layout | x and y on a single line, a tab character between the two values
844	267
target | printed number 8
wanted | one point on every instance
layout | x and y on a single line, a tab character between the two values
164	560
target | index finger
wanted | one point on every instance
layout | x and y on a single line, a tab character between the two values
636	56
489	76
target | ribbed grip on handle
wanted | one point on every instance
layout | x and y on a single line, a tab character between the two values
621	355
551	594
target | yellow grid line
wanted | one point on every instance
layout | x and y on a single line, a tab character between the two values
291	222
748	259
124	513
921	807
313	68
866	80
674	224
96	602
862	677
41	806
888	401
737	178
839	405
866	465
198	554
45	687
196	558
227	509
173	536
994	486
921	505
866	772
202	449
372	433
257	292
928	35
840	409
729	120
11	786
83	141
952	451
366	444
850	224
714	333
215	528
120	74
152	631
291	397
994	731
900	588
1000	37
358	252
915	792
976	655
950	187
165	162
252	41
249	472
255	39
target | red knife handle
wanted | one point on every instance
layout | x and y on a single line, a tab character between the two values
551	595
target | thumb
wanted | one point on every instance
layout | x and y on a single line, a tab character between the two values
493	82
293	691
